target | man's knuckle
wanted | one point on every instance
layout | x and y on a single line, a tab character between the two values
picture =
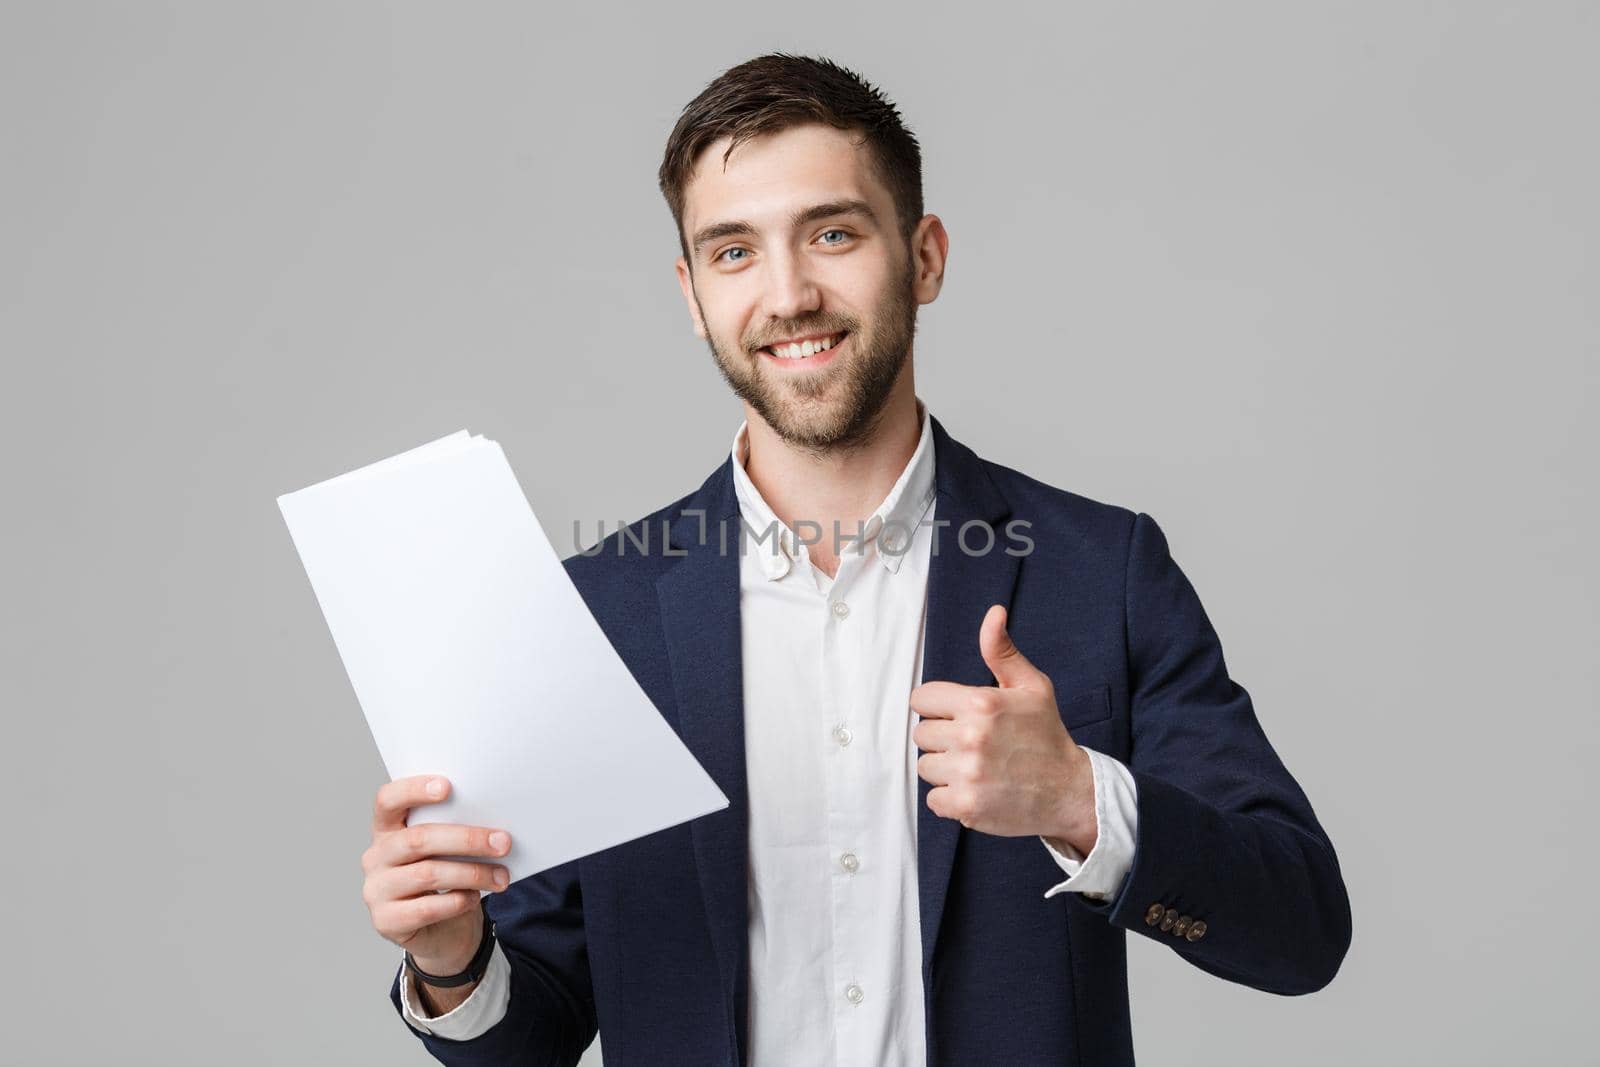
449	905
427	875
446	875
413	915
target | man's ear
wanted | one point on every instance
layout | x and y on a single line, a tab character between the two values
686	283
930	248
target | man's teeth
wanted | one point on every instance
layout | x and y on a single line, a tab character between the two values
806	348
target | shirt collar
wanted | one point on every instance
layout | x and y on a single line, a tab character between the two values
888	530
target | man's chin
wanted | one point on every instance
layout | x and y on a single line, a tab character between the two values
811	424
806	408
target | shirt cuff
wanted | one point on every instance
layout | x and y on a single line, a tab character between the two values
1116	813
485	1006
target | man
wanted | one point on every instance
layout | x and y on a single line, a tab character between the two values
972	728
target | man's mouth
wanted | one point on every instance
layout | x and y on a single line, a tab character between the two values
807	349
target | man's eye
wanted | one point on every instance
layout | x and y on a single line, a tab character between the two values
841	233
723	254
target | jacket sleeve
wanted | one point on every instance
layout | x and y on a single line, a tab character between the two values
550	1015
1231	869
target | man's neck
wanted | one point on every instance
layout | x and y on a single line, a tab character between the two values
845	486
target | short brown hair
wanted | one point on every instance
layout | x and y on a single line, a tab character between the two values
776	91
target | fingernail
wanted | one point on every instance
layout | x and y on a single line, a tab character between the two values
498	841
436	787
500	877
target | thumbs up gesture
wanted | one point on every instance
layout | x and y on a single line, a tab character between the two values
1000	759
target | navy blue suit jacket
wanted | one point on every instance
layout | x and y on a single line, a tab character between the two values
646	940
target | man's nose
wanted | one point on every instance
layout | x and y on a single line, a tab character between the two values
791	292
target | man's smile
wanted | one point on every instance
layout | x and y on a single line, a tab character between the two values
812	350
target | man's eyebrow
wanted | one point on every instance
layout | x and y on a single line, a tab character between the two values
739	228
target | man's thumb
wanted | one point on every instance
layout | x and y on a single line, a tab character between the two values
1006	662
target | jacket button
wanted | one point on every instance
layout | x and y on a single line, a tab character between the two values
1181	927
1197	931
1169	918
1153	914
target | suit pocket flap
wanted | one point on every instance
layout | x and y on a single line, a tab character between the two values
1087	706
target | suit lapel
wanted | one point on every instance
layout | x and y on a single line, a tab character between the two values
961	588
699	598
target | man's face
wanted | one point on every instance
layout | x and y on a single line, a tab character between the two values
797	240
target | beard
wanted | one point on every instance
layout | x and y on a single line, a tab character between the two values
838	406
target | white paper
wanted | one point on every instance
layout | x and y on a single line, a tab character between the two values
473	656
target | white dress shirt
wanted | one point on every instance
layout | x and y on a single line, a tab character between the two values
828	667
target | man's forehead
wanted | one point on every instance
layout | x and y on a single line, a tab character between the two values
769	175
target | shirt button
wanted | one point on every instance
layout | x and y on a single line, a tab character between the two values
842	735
853	993
849	862
840	609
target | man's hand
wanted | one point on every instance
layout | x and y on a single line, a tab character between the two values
1000	759
427	905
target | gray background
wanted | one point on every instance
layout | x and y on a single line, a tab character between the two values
1315	286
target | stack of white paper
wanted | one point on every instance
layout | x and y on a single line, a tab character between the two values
473	656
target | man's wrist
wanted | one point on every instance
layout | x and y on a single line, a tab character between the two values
1076	825
447	1000
453	975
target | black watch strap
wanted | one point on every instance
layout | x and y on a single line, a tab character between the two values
475	969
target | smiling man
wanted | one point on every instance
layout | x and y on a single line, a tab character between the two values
974	729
